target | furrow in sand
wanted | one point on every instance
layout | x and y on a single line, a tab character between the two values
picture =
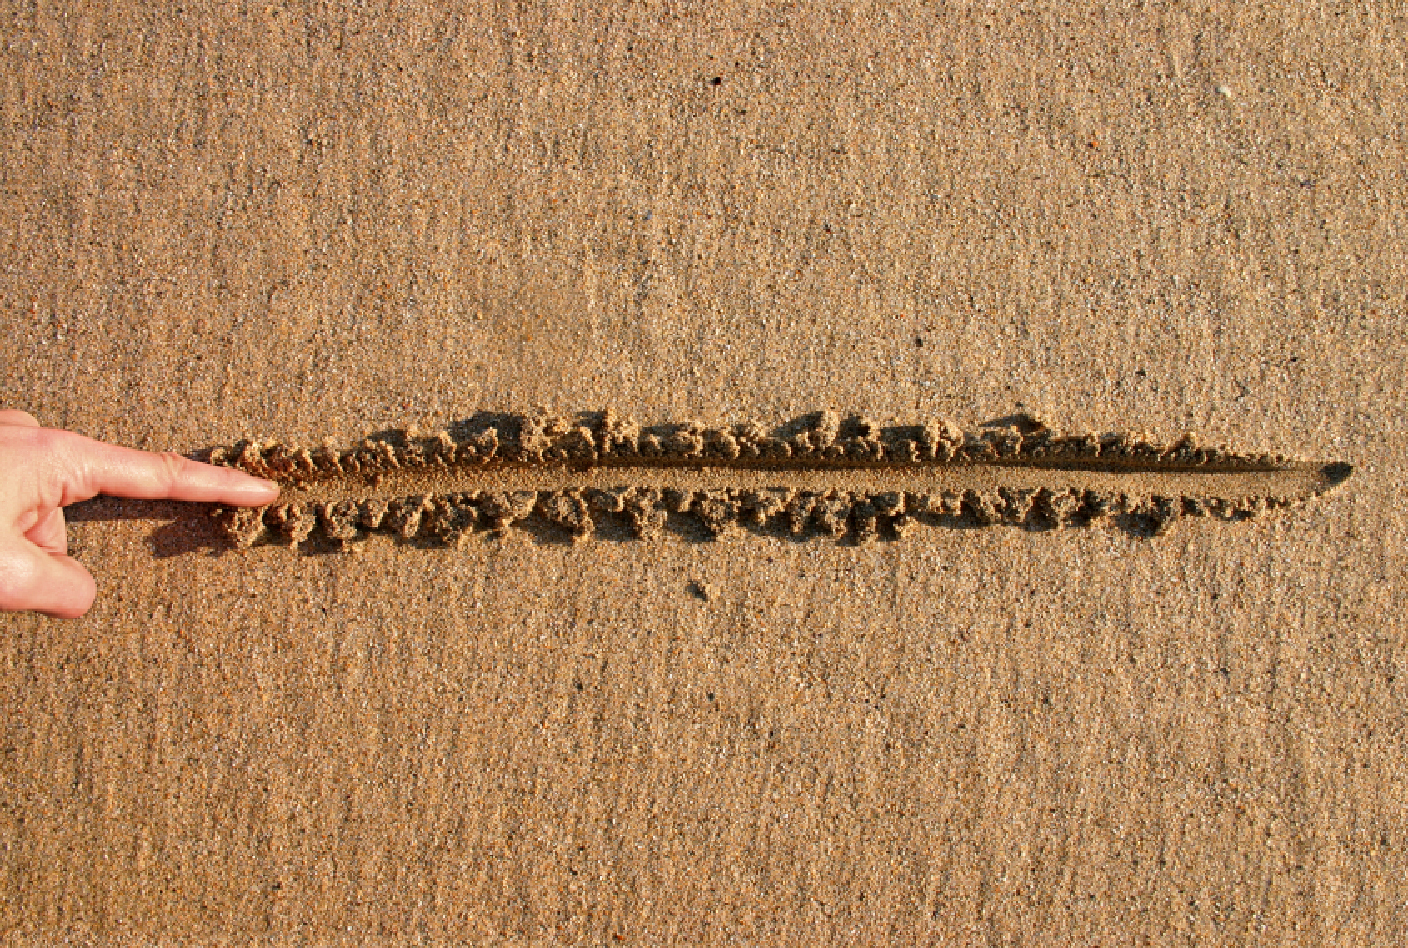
820	475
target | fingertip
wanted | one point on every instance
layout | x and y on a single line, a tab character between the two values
226	485
253	492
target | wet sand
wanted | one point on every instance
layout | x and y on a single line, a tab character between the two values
849	478
317	225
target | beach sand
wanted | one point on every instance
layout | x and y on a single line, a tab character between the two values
317	223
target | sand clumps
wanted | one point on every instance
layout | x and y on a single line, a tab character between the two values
823	441
643	513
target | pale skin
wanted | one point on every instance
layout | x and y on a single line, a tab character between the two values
43	470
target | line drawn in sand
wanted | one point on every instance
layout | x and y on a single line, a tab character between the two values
819	475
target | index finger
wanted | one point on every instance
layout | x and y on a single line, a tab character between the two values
101	468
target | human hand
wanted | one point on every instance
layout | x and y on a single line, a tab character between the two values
43	470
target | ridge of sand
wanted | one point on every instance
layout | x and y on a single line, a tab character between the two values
816	475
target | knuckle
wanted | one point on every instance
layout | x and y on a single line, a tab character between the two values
15	436
63	450
54	442
174	466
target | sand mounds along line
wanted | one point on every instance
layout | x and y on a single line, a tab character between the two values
820	475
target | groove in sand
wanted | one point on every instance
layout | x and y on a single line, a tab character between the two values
816	475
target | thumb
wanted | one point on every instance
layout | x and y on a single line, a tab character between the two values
51	583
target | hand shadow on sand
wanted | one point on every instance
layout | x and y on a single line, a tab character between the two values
187	527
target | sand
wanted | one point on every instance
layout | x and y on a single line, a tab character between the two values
822	474
315	225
